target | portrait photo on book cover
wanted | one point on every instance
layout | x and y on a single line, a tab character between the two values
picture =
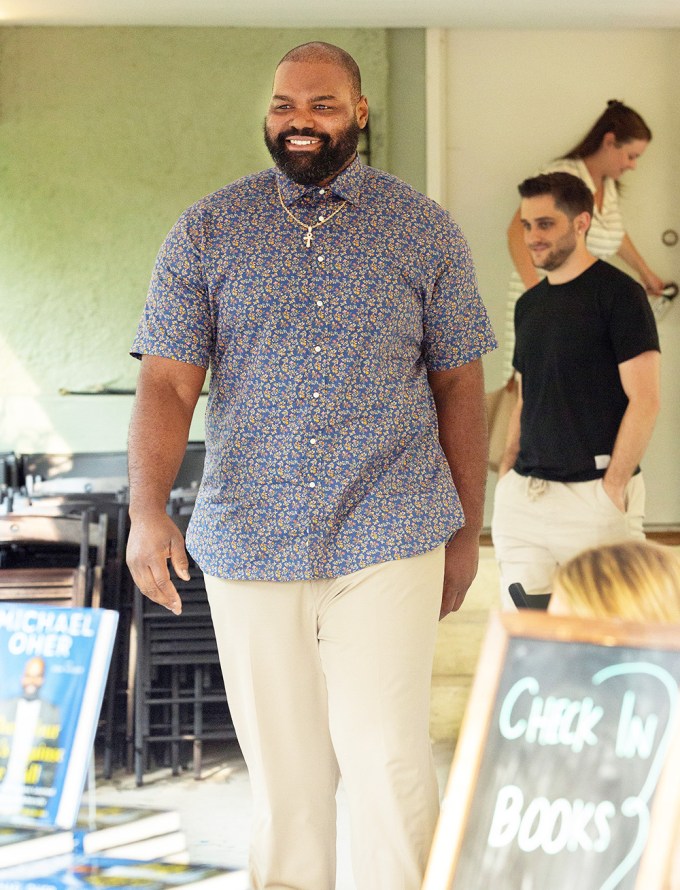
30	726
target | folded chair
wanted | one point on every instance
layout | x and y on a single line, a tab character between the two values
56	560
78	472
175	677
179	695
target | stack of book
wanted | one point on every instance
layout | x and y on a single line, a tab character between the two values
126	832
74	872
130	832
18	845
110	846
53	668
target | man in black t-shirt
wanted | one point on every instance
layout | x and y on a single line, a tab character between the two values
587	361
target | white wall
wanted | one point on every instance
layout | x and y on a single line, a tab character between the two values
516	99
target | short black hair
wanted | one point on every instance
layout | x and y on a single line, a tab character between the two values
318	51
572	196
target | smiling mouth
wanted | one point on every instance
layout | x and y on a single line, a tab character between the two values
302	142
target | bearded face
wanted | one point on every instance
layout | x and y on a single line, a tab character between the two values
310	157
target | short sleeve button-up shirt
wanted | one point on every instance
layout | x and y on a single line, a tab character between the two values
322	451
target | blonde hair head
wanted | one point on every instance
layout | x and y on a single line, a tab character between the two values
634	580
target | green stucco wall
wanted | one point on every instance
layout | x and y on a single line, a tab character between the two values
406	144
106	135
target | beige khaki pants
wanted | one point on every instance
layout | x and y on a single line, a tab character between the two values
538	525
329	678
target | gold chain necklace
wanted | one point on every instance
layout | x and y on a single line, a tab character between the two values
307	237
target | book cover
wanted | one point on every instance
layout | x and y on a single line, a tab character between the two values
53	668
84	872
100	826
19	845
162	846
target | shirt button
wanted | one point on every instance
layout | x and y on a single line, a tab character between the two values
312	441
316	395
312	484
322	191
320	259
317	349
319	302
322	219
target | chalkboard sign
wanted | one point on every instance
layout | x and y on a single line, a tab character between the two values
566	771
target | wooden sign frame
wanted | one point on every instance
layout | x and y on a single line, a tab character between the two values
656	861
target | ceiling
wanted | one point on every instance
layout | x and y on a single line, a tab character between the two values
550	14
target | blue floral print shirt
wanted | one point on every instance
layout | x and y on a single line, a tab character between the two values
322	452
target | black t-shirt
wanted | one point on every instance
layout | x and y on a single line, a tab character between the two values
569	341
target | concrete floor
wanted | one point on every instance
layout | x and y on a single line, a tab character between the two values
216	809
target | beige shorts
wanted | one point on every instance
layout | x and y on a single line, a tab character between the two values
538	525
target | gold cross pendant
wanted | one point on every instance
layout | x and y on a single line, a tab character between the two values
308	237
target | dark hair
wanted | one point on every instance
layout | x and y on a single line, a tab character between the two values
318	51
572	196
618	119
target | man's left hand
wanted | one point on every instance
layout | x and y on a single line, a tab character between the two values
462	559
615	493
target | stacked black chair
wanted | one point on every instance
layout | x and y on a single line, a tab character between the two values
52	559
68	484
179	695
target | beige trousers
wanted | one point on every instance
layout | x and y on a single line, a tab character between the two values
538	525
328	678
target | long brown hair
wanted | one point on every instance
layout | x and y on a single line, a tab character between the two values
618	119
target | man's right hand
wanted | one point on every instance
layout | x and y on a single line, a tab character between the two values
153	541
